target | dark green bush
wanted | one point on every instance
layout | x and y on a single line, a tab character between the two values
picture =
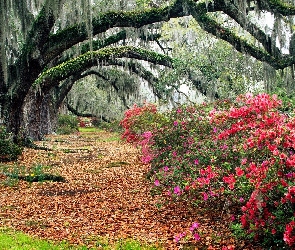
112	126
9	151
67	124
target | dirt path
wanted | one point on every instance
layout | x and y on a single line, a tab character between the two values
105	194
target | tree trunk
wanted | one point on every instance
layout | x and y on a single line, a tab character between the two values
39	116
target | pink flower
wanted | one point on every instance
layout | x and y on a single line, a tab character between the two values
146	159
177	190
289	234
165	168
196	161
179	236
175	123
194	226
244	161
197	236
205	196
157	183
147	134
176	238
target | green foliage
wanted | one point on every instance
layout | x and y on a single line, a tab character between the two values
143	3
9	151
113	126
288	100
36	173
220	68
67	124
10	239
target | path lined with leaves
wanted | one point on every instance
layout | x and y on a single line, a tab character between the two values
105	194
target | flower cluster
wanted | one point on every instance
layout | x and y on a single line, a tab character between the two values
193	231
242	152
132	124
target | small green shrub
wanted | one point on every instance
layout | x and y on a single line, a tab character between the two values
67	124
37	173
113	126
9	151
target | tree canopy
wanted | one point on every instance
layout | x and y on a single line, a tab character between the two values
47	45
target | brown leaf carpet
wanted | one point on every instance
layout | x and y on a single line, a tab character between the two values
105	194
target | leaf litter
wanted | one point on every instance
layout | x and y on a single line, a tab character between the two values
106	194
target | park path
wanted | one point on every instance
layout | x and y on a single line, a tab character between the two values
105	194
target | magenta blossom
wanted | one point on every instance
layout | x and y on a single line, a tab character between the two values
197	236
194	226
177	190
179	236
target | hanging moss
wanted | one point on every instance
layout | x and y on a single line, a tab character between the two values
239	43
78	32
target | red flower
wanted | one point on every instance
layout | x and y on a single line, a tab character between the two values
239	171
230	180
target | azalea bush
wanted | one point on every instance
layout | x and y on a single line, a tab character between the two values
240	153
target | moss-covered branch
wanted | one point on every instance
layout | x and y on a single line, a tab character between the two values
53	76
276	60
70	36
96	45
277	6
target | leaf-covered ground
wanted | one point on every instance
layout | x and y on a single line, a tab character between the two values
105	194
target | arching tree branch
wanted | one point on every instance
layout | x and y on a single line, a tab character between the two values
276	59
96	45
77	33
53	76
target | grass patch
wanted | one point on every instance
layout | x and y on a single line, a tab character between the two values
115	137
89	129
37	173
10	239
14	240
117	164
133	245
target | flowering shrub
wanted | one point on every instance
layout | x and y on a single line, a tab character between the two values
137	124
136	121
240	153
